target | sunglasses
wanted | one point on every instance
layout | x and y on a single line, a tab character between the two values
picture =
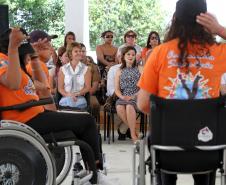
109	36
130	36
152	38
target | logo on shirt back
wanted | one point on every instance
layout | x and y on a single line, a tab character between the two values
205	134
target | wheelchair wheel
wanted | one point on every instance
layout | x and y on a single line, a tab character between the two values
25	158
63	160
21	163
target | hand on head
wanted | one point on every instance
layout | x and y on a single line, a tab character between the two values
41	44
210	22
16	37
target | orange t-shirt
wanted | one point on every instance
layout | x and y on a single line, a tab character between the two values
43	66
143	53
163	77
12	97
3	57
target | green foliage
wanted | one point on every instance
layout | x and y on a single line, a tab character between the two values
37	14
119	16
142	16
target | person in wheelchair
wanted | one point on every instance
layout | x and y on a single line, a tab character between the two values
188	65
17	87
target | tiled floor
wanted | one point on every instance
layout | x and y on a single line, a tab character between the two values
119	162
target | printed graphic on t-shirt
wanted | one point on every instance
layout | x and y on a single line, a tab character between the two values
29	89
188	86
173	61
3	63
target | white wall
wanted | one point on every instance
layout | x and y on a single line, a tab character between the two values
77	20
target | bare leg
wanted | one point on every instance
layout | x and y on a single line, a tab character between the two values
121	111
131	118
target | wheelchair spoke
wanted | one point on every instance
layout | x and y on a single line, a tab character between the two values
9	174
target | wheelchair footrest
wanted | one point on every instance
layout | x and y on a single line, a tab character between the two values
81	177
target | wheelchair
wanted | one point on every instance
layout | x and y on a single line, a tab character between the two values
190	131
28	158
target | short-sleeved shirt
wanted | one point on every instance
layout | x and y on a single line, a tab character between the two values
223	79
163	77
43	66
25	93
111	79
143	52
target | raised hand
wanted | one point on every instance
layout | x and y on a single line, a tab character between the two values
16	38
41	44
209	21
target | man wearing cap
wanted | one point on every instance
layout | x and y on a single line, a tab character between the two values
188	65
40	38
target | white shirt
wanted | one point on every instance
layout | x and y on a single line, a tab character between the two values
111	79
74	80
223	79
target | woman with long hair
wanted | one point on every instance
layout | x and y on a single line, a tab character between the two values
152	41
188	65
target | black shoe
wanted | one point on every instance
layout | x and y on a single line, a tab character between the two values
121	137
128	133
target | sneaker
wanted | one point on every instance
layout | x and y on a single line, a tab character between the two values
121	137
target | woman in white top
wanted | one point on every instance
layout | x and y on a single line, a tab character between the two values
74	79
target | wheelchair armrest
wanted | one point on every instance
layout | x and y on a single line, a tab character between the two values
28	104
59	136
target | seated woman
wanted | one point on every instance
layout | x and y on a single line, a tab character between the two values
126	89
53	72
74	79
17	87
152	41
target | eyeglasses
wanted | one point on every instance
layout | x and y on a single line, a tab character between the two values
109	36
131	36
152	38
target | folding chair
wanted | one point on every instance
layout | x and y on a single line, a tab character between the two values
110	111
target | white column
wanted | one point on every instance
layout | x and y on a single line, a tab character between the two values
77	20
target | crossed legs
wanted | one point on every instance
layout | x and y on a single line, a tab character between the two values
127	113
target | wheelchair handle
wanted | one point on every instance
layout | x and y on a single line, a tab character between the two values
29	104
